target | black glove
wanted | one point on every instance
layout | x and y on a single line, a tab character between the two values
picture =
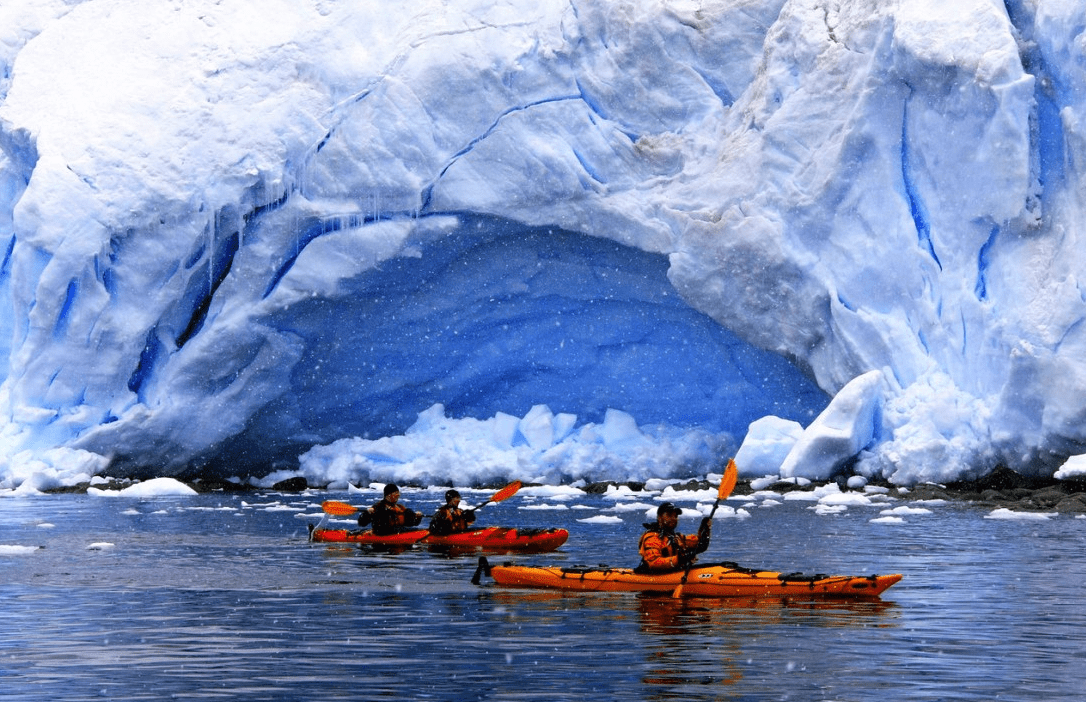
413	518
686	559
364	518
469	516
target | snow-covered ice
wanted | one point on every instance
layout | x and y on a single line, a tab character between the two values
242	233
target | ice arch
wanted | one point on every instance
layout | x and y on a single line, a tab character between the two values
495	316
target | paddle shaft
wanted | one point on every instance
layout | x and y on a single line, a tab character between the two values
727	484
505	493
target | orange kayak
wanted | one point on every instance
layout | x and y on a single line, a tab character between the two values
483	538
719	580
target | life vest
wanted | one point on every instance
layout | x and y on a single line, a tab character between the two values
451	520
392	519
660	552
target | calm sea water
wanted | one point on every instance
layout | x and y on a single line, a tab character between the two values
222	597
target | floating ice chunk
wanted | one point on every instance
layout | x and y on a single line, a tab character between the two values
621	492
845	427
17	550
801	497
722	512
100	546
158	487
556	492
904	509
601	519
763	482
766	445
850	499
632	507
887	520
857	482
1004	513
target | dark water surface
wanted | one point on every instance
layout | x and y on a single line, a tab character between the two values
222	597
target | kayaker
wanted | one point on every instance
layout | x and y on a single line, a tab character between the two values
388	516
664	550
449	518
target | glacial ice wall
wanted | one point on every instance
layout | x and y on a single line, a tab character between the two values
238	229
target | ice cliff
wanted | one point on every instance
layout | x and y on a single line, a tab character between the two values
237	230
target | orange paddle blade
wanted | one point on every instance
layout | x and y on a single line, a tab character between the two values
727	482
507	491
341	509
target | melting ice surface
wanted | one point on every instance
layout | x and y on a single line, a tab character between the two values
281	233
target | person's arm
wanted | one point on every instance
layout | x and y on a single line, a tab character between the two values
705	531
440	523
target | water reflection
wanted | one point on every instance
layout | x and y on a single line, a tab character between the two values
686	648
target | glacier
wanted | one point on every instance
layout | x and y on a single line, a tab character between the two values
261	238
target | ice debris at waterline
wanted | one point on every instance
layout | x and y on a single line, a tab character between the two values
541	447
552	448
280	225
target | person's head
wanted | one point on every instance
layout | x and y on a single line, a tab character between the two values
392	493
452	498
667	515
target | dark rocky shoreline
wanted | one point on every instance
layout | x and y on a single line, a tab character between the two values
1001	488
1007	489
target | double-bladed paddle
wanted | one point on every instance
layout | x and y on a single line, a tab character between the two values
342	509
727	484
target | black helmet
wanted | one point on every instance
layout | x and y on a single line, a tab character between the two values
667	508
449	494
391	488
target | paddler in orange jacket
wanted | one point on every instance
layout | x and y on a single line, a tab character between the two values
388	516
663	550
449	518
